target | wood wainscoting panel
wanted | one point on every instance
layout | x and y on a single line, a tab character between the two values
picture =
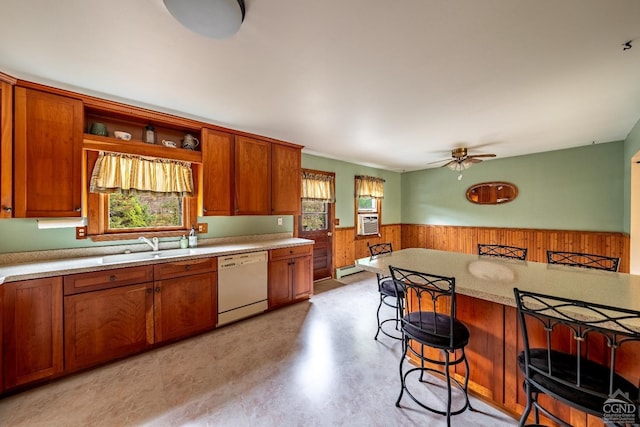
537	241
349	247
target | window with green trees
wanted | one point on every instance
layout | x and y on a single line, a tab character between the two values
144	211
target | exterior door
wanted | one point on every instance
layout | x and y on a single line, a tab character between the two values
316	223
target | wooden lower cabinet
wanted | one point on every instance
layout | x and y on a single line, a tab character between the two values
185	305
290	275
32	322
107	324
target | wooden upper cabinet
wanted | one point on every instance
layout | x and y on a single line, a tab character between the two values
48	154
217	172
32	320
6	149
252	176
286	180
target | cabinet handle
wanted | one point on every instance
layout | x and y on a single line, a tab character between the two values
204	210
7	208
158	289
78	209
112	278
188	267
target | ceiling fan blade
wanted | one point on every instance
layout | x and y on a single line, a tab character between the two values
438	161
481	155
472	160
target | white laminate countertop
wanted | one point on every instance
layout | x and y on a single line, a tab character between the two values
48	268
493	279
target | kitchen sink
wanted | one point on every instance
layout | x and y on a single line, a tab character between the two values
143	256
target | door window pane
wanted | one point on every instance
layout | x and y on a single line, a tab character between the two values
314	216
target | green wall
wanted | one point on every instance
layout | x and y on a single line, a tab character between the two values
345	173
21	235
631	147
584	188
574	189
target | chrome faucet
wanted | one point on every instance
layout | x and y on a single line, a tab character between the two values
153	242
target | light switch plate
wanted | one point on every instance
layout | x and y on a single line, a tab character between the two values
279	220
203	228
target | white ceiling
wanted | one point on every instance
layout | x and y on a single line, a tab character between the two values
394	84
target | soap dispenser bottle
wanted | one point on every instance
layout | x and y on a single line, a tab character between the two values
184	243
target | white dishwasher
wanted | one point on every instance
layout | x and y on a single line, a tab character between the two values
242	286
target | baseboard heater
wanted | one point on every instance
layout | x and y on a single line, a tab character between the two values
347	270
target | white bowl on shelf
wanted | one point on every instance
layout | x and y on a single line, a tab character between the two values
125	136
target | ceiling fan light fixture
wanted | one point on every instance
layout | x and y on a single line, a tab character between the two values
216	19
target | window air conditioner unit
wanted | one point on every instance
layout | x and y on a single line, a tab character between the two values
367	224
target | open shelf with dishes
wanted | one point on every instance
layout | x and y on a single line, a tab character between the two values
125	131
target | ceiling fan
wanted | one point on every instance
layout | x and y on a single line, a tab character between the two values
461	160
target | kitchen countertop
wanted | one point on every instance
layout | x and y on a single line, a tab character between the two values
53	267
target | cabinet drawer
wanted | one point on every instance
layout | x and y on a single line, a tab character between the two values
292	252
184	268
84	282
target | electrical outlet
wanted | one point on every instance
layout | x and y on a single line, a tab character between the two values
203	228
81	232
279	220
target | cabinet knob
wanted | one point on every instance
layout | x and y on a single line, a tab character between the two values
112	278
78	209
204	210
149	290
7	208
158	289
188	267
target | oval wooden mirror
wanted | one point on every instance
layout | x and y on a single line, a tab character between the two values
492	193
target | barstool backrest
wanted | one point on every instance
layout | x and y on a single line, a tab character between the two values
502	251
578	259
380	248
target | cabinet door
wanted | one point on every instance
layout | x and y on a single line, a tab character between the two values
217	175
302	281
286	180
252	177
279	283
185	305
6	149
104	325
32	330
48	155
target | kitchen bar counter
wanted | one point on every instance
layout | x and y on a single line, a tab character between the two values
493	279
48	268
486	304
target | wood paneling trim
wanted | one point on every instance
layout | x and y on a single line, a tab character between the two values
537	241
6	149
348	248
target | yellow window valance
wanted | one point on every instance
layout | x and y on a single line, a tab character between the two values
318	187
369	186
125	173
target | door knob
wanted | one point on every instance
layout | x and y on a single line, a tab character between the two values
329	234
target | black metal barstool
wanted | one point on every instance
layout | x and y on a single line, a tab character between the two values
578	259
387	292
565	369
502	251
429	320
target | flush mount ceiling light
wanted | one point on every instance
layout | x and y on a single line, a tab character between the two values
217	19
